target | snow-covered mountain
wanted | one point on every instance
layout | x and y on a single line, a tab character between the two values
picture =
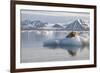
57	26
27	24
77	25
38	24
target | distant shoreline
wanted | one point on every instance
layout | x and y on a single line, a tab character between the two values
51	30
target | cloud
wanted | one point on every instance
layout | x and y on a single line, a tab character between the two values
55	13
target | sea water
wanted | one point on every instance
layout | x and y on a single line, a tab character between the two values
32	49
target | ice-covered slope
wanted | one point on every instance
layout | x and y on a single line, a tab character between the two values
77	25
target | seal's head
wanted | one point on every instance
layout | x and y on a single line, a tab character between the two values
72	34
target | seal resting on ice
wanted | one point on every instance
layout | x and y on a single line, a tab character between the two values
72	39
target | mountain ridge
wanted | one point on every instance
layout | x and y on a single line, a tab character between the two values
76	25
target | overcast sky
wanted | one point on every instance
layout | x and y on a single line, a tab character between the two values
53	16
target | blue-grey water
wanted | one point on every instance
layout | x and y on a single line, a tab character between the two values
32	49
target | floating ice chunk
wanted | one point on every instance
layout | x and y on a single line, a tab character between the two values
70	42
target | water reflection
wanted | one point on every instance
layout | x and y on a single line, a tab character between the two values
72	50
33	50
30	39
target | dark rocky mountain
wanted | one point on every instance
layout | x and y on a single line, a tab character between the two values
77	25
57	26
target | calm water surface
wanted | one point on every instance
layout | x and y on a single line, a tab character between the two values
32	49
